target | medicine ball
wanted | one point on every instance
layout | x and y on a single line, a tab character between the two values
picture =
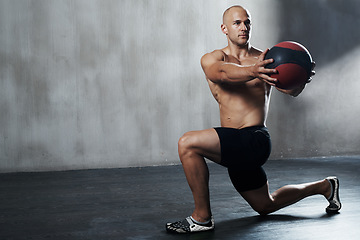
293	63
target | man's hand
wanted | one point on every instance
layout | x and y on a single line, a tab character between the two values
262	73
313	64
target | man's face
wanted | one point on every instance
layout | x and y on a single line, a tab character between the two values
237	26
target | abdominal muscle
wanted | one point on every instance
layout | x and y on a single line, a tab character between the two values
250	118
242	105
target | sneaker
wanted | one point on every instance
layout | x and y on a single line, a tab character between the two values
334	200
188	226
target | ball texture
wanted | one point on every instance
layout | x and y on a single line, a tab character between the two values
293	63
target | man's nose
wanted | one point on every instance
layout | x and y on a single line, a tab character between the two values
243	27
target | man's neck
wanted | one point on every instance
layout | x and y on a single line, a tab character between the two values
239	51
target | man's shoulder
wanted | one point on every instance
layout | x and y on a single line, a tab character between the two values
255	51
216	53
214	56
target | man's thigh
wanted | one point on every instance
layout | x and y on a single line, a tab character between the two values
206	143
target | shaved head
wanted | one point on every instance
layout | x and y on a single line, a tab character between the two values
237	25
229	11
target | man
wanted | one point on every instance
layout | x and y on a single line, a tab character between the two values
241	85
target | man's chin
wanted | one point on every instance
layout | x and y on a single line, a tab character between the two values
243	43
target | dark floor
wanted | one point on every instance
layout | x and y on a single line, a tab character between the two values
136	203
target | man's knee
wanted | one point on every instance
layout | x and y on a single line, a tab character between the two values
186	144
263	208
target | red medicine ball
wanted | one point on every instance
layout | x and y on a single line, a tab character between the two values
293	63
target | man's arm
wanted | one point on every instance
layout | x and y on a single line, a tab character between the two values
293	92
219	71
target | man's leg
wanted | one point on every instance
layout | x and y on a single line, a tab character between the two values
193	148
264	203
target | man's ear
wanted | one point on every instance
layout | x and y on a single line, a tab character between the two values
224	29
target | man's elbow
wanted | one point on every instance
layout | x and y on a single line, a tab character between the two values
294	94
218	78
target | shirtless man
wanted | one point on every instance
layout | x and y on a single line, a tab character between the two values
241	85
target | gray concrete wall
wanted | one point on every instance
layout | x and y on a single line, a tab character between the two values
96	84
324	119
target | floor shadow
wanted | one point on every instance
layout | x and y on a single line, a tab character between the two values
241	227
257	224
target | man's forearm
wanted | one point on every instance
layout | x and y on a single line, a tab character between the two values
234	73
293	92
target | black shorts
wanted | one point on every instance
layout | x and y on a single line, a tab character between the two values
243	152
